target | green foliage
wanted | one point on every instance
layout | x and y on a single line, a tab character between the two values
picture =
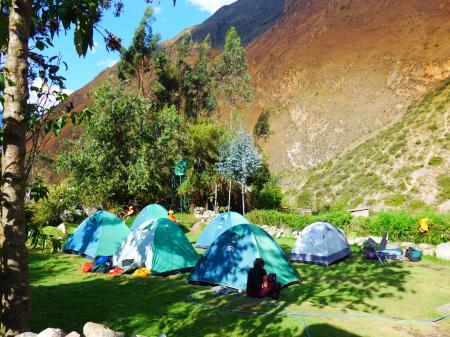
395	200
304	199
401	226
231	71
443	182
136	60
435	161
297	221
190	86
127	152
62	204
262	126
45	237
269	197
202	151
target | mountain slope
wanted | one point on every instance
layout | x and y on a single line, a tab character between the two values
338	71
335	73
407	164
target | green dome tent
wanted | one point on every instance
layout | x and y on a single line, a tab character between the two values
148	214
229	258
98	235
161	246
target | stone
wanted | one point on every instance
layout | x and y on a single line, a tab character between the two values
428	252
27	334
62	228
406	244
444	308
424	246
443	251
51	332
393	245
91	329
73	334
377	239
278	235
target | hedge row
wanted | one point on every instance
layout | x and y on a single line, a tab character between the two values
401	226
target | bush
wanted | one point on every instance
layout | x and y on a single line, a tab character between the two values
269	197
435	161
62	204
400	225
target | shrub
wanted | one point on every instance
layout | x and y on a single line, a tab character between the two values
62	204
435	161
400	225
269	197
394	200
443	181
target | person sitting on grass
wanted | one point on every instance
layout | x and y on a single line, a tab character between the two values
259	284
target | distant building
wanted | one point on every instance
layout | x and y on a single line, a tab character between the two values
303	211
361	211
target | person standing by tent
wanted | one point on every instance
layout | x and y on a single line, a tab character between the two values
259	284
171	216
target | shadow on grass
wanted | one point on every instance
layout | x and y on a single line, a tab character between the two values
352	283
64	297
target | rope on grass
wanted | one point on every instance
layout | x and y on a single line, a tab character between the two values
191	300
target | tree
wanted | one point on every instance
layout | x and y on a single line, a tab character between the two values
240	160
127	152
202	151
231	71
136	60
262	126
188	85
22	20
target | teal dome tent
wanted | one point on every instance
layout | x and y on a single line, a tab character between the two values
162	247
229	258
148	214
101	234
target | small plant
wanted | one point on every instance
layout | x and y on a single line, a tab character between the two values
435	161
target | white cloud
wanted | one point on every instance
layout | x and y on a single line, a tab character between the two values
106	63
95	47
157	10
210	6
49	98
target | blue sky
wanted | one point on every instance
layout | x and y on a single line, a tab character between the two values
169	22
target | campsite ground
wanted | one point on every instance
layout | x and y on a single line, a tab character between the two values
63	296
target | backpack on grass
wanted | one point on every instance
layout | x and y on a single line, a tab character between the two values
413	254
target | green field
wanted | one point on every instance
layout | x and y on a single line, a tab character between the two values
64	297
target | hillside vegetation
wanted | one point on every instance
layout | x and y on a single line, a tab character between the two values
405	165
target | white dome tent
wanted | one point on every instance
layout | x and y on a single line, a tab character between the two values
320	243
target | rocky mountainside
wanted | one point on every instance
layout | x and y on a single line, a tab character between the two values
338	71
335	72
405	165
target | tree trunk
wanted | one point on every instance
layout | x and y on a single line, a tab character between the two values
243	199
229	196
216	206
14	286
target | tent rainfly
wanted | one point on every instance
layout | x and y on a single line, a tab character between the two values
161	247
148	214
98	235
229	258
320	243
217	226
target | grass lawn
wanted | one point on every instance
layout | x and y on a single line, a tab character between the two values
64	297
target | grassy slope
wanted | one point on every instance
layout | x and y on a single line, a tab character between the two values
406	165
64	297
